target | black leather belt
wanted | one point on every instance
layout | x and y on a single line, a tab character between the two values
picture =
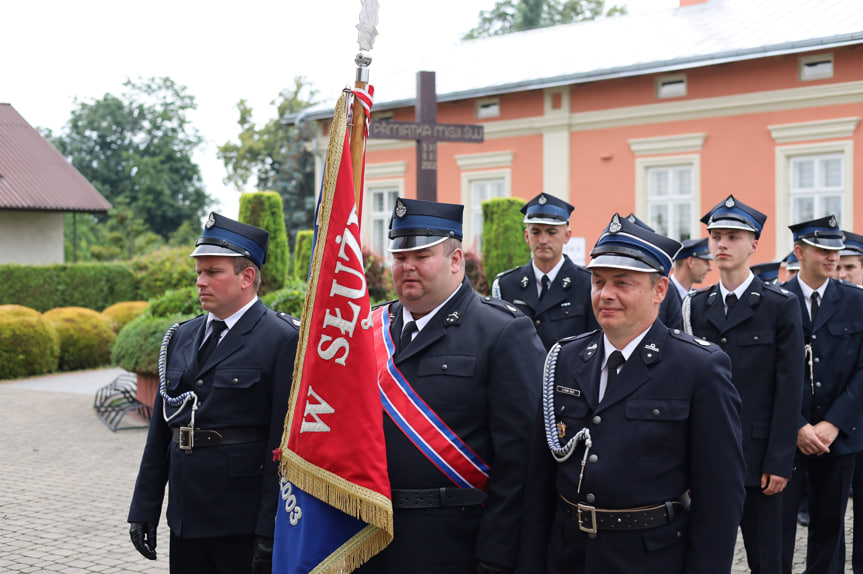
590	519
437	497
188	439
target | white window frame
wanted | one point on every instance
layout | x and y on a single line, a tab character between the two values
467	181
642	168
671	86
370	217
783	156
815	67
390	176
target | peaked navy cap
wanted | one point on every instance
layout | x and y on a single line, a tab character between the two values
228	238
697	248
626	245
823	232
417	224
792	263
547	209
767	272
853	244
731	213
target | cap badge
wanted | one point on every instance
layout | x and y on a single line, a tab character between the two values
615	225
542	200
729	203
832	222
631	218
401	209
211	221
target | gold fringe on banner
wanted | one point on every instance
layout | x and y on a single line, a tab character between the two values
361	503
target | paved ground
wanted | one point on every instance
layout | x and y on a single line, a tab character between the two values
66	482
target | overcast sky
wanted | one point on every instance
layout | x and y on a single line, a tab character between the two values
222	52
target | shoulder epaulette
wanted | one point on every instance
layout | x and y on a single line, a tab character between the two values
288	318
778	289
577	337
507	272
381	304
694	292
692	340
502	304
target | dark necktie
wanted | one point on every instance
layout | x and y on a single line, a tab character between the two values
545	283
407	335
816	299
730	302
210	344
615	360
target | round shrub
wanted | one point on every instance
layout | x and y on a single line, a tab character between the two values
289	299
29	344
138	343
121	313
176	301
86	337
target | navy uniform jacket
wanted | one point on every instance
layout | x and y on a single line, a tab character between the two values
669	424
223	490
478	365
764	338
669	310
836	339
565	310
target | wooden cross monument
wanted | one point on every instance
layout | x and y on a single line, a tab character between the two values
426	132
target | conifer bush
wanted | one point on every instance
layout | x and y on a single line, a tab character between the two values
264	210
85	335
303	253
503	244
29	344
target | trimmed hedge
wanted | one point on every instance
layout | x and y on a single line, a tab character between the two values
264	210
121	313
303	253
139	342
161	270
289	300
44	287
29	344
86	337
176	301
503	244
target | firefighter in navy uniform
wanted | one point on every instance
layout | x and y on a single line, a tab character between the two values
636	464
829	433
691	265
475	364
759	327
214	451
562	307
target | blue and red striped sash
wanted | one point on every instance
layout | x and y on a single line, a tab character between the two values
420	424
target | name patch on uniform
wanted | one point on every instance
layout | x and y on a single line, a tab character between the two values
568	391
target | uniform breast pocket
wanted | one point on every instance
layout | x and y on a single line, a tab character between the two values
755	348
659	425
565	310
172	378
844	338
236	378
449	382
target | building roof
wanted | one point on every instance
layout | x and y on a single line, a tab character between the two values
717	31
34	176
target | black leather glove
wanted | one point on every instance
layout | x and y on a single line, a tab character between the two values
144	538
262	559
486	568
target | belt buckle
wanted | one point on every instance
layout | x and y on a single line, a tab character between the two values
187	438
588	511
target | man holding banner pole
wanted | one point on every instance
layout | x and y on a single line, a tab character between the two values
459	377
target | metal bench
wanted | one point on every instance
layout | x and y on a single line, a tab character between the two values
119	398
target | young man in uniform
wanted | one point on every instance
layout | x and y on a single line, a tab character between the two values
638	419
759	327
829	431
851	259
470	365
220	414
552	290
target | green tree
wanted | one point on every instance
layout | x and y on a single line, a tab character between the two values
276	156
136	149
264	210
509	16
